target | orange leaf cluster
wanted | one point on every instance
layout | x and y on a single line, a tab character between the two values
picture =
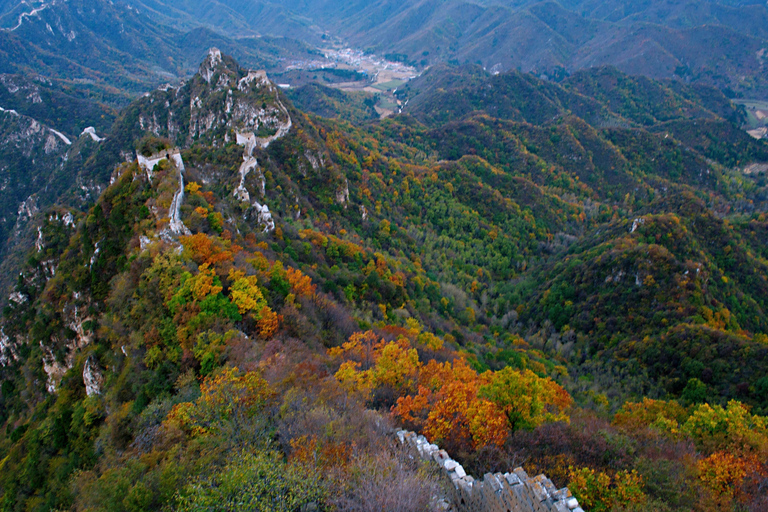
447	406
328	454
206	250
301	284
269	323
723	473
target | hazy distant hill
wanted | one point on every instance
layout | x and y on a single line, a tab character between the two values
117	47
717	43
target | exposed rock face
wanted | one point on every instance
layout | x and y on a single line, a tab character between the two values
208	66
54	367
226	97
274	119
222	102
32	154
222	99
264	217
8	350
93	377
342	195
27	209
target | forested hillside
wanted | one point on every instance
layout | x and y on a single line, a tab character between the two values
567	276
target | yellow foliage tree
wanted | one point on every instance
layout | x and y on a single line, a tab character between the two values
526	399
223	397
598	492
373	363
203	284
732	428
245	293
661	415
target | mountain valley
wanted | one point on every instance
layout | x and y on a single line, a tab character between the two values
233	273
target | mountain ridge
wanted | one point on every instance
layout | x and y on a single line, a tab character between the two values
251	276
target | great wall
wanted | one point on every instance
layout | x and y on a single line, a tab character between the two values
499	492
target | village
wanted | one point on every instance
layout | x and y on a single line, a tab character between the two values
379	76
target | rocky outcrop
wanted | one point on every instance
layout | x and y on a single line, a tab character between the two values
93	377
209	65
275	118
55	367
342	194
8	350
222	99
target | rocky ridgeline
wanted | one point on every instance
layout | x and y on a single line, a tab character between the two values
500	492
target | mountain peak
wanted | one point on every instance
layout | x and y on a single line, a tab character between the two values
213	62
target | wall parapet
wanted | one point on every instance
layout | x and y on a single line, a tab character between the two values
499	492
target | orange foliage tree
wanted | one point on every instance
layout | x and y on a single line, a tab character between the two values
450	400
447	406
301	284
206	250
455	402
723	473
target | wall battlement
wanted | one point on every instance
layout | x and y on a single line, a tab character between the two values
500	492
147	163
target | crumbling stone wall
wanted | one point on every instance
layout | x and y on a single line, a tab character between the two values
500	492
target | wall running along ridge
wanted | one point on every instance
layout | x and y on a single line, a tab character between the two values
500	492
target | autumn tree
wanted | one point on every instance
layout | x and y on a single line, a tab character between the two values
599	492
454	402
247	295
228	396
372	363
526	399
723	474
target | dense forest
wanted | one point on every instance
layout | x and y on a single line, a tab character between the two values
566	276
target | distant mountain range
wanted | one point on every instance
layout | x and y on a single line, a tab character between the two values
122	46
718	43
117	49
